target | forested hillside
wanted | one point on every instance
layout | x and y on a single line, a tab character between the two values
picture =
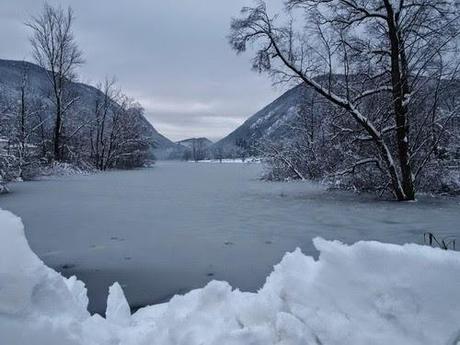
102	129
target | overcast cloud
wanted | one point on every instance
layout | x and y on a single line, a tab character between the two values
172	56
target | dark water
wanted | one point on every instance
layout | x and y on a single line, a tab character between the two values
175	227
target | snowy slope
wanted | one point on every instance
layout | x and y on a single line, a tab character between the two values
270	122
368	293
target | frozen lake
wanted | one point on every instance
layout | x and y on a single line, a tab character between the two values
175	227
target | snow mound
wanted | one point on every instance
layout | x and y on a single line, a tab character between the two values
367	293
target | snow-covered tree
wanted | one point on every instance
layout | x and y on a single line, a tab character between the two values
55	49
102	115
385	66
117	134
20	140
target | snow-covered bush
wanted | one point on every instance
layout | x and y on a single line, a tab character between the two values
367	293
63	169
442	177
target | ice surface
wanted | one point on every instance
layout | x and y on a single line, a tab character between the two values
174	228
367	293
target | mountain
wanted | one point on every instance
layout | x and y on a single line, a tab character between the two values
202	142
269	123
38	90
195	149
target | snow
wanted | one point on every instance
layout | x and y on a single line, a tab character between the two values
118	311
366	293
37	305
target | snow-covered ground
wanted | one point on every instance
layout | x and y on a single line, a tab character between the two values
367	293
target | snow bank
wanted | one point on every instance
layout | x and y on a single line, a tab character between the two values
367	293
37	305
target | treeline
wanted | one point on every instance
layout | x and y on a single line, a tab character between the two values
198	149
48	120
385	73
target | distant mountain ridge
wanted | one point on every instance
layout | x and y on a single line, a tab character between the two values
189	142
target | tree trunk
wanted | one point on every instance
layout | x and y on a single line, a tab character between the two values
57	133
400	92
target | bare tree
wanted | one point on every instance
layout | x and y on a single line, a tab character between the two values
8	161
103	111
218	153
22	137
372	60
20	131
118	132
129	146
199	151
243	148
55	49
311	150
187	155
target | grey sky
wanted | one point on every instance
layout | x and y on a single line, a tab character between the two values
172	56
